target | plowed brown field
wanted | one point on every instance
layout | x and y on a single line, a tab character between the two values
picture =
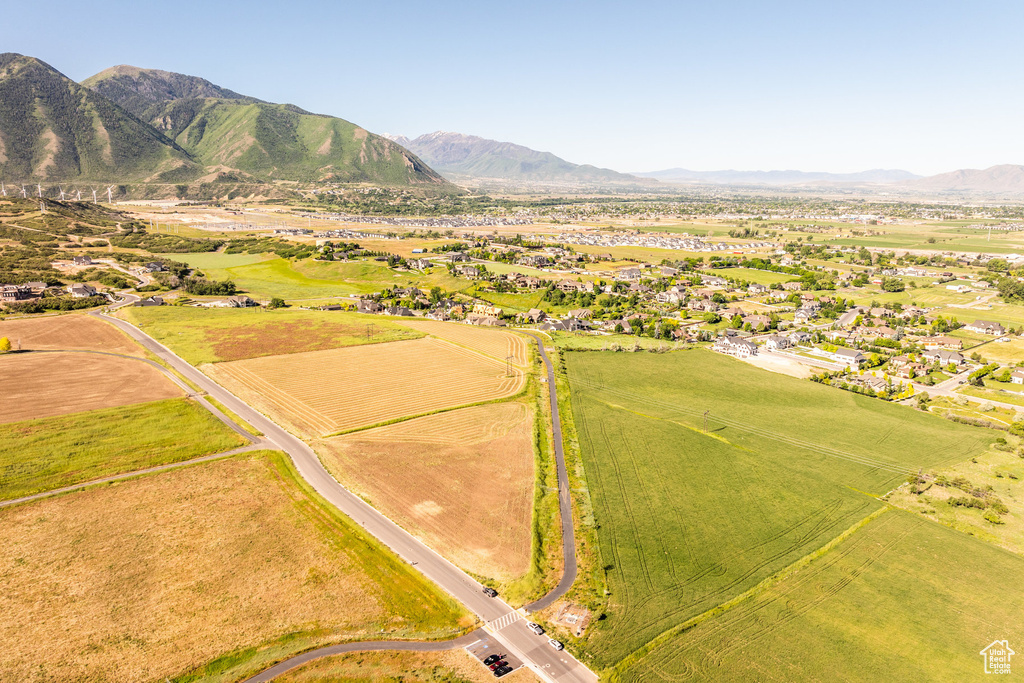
72	332
37	385
320	392
462	481
488	341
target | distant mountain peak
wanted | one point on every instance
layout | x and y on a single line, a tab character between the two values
459	154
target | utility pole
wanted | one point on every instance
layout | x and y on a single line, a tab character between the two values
706	421
369	331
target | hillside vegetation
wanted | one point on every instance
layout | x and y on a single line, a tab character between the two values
242	138
53	129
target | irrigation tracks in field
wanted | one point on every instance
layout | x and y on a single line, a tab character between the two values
821	449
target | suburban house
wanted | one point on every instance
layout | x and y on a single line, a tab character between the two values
951	343
150	301
468	271
420	263
534	315
82	261
713	281
485	309
1017	376
79	291
735	346
399	311
848	356
238	301
756	288
668	272
567	325
985	327
9	293
368	306
943	357
483	320
756	321
776	342
803	315
457	257
791	286
581	313
628	274
799	337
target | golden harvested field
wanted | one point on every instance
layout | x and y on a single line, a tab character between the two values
488	341
36	385
153	577
462	481
69	332
323	392
453	666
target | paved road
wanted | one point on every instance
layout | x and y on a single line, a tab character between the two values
136	473
564	500
549	664
365	646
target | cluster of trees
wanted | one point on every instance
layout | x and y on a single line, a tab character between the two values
57	303
203	287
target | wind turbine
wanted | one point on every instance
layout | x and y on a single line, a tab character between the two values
110	199
24	194
61	193
3	188
39	190
94	196
79	196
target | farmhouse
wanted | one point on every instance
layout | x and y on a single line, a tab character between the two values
735	346
985	327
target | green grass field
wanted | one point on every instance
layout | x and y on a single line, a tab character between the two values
209	335
688	520
763	277
902	599
40	455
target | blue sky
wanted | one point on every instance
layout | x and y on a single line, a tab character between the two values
924	86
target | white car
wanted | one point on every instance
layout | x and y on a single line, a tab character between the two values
535	628
555	644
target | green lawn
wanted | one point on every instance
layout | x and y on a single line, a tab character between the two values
40	455
209	335
902	599
687	520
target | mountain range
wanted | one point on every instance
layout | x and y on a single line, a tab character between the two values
731	177
461	156
127	124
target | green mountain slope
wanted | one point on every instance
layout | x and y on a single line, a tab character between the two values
231	134
53	129
468	155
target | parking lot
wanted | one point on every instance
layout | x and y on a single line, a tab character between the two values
487	646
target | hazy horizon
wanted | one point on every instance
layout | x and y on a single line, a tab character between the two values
922	87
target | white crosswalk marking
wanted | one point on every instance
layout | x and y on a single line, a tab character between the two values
505	620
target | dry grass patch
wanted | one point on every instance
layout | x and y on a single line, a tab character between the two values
36	385
462	481
68	332
323	392
455	666
157	576
488	341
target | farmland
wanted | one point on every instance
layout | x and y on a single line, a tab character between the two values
161	575
688	520
426	474
943	593
209	335
37	385
490	342
41	455
67	332
323	392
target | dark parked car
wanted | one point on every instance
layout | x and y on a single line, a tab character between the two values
492	659
498	673
490	592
